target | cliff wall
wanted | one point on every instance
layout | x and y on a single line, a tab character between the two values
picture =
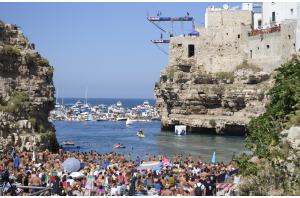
26	93
218	81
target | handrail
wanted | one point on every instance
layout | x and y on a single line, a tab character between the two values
43	189
35	187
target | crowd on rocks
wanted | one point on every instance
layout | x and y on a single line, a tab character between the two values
111	174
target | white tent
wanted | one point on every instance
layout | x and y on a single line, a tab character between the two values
180	129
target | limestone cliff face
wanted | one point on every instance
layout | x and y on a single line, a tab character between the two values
210	102
26	93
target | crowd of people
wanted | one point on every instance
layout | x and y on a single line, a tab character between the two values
111	174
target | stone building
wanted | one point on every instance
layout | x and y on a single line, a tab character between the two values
218	80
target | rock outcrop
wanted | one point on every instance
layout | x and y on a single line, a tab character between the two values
26	93
221	102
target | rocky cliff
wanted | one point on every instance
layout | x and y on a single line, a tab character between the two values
219	102
26	93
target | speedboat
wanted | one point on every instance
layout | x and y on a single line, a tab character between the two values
129	122
118	146
68	143
121	119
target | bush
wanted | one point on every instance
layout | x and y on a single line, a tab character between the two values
264	138
44	62
18	101
10	51
225	76
213	123
170	72
218	89
246	65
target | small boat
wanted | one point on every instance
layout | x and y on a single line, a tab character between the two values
102	119
68	143
119	146
121	119
129	122
140	134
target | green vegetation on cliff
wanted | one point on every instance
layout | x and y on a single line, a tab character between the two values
18	101
246	65
268	171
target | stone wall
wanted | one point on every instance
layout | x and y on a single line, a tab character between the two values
26	93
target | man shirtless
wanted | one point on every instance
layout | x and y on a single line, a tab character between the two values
166	192
34	181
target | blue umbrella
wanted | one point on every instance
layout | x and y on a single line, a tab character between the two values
71	165
213	158
194	33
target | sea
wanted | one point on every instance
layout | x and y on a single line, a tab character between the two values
100	136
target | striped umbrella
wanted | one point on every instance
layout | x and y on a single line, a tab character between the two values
154	165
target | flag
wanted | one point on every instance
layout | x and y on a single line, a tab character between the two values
213	158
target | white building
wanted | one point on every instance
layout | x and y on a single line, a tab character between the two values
276	12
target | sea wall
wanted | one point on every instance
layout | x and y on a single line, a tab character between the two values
26	93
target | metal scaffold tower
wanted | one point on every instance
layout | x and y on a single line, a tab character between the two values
157	22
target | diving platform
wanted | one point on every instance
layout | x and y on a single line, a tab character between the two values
158	18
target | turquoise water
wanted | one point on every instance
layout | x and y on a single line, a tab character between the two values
100	136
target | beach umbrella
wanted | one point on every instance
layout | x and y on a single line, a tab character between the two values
154	165
71	164
76	175
213	158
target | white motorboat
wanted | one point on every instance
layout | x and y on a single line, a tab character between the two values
129	122
121	119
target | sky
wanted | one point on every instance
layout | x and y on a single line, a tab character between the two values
103	49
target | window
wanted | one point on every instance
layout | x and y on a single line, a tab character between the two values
273	17
257	48
268	46
292	11
250	53
179	45
239	36
259	23
226	33
289	36
191	50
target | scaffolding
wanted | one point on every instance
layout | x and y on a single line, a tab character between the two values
157	20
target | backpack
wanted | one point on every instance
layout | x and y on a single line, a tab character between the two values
198	190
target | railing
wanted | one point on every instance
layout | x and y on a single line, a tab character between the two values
41	191
276	28
38	193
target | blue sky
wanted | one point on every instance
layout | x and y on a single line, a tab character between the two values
104	47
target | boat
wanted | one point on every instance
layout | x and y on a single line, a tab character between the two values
68	143
129	122
119	104
121	119
102	119
140	134
119	146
